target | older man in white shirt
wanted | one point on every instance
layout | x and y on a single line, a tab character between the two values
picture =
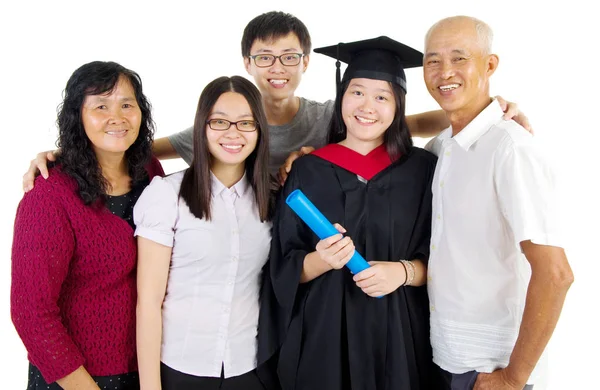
498	276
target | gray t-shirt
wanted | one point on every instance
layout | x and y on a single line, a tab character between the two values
308	128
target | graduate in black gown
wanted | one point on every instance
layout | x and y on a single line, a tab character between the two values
368	331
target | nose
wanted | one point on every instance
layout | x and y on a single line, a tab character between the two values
446	70
367	106
277	67
232	132
116	115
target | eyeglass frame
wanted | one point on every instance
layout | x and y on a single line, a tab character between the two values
275	58
233	123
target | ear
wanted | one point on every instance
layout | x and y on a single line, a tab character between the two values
492	64
305	61
247	64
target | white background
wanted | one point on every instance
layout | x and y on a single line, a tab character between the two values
548	65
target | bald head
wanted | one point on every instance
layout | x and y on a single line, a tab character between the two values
463	23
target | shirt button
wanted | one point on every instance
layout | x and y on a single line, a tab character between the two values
447	153
234	232
441	184
439	216
226	309
432	247
234	258
230	282
429	278
432	308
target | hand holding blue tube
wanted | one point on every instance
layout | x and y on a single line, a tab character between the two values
317	222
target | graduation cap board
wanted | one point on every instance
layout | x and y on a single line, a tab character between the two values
379	58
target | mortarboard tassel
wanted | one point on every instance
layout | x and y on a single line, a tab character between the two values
338	81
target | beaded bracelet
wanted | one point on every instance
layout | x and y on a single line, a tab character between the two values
405	273
410	272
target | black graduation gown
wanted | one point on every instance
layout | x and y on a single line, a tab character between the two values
335	337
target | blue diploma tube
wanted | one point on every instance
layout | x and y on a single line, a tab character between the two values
317	222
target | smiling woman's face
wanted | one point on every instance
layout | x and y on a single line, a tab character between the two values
112	121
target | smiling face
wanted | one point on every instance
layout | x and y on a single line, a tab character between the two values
368	109
112	121
231	147
457	67
277	82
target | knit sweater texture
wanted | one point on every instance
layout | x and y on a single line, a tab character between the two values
73	292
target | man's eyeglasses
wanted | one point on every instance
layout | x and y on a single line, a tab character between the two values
224	124
266	60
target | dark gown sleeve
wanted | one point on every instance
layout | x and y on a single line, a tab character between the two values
281	274
421	235
292	241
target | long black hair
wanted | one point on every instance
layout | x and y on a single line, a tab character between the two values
77	157
196	184
396	138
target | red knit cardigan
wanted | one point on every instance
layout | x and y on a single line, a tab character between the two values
73	292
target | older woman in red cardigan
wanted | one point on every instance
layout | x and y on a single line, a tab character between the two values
73	292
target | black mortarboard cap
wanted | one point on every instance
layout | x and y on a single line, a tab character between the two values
379	58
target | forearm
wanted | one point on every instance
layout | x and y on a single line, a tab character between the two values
427	124
544	302
163	149
79	379
313	267
148	338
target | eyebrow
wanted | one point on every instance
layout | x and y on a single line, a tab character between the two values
225	114
362	86
292	50
101	98
454	51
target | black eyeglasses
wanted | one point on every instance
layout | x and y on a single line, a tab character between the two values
224	124
266	60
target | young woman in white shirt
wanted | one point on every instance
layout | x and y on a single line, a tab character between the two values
203	238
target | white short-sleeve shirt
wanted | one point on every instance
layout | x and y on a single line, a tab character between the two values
492	189
210	311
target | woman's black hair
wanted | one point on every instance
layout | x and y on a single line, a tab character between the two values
77	157
196	184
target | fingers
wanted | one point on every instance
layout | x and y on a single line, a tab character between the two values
282	175
339	228
306	150
374	291
29	176
41	165
287	165
365	274
503	103
335	250
524	121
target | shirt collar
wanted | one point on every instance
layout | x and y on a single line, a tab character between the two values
238	188
491	115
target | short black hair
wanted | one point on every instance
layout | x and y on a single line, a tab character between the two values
273	25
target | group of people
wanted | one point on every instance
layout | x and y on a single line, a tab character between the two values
125	278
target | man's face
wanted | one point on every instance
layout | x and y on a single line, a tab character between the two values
277	81
456	69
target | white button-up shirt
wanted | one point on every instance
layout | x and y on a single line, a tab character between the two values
492	190
210	311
